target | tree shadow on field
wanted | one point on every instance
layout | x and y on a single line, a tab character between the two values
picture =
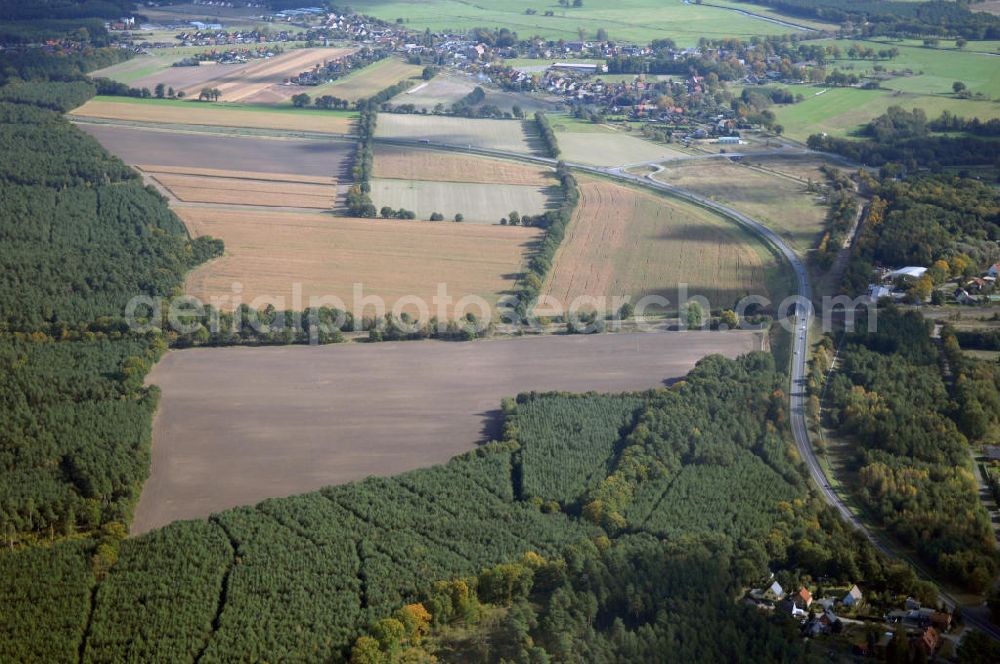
492	425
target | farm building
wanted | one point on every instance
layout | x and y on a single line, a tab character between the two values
730	140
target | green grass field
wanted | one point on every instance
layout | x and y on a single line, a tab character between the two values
934	69
841	111
926	83
637	20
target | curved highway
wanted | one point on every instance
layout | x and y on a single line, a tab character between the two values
803	318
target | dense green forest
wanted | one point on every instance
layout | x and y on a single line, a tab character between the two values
912	463
61	192
81	236
40	20
303	577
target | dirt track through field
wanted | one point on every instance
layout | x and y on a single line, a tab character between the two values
238	425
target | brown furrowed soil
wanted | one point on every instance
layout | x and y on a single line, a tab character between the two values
625	242
256	154
216	115
236	175
254	191
237	425
400	163
269	253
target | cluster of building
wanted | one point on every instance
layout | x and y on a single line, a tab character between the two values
923	626
896	285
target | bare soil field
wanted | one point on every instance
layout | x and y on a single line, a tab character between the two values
511	135
477	203
246	191
402	163
622	241
238	425
256	82
268	252
779	201
449	87
369	80
610	149
215	115
258	154
237	175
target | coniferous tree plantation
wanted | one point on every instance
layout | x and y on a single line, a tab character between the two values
81	236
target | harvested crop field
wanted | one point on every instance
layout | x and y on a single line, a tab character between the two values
449	87
237	425
244	188
255	82
215	115
403	163
511	135
626	242
478	203
269	252
365	82
610	149
780	202
194	150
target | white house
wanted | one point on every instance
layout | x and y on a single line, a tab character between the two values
853	597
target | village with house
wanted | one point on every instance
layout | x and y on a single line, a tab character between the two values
864	626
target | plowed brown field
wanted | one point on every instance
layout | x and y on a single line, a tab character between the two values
237	425
252	191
